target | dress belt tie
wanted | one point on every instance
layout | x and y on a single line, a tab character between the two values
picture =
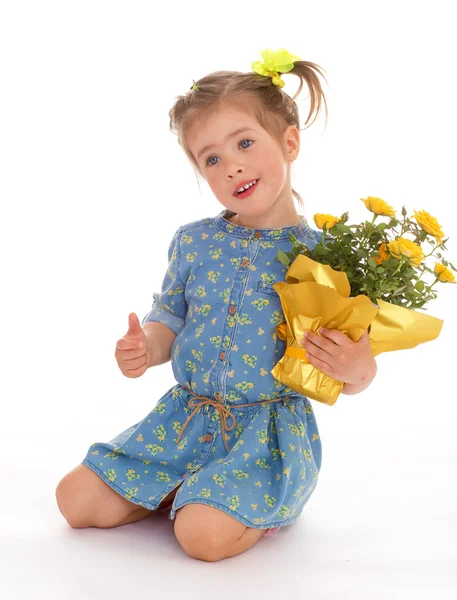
222	408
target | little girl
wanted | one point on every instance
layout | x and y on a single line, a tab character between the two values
231	452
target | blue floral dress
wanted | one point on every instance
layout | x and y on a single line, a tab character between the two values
258	463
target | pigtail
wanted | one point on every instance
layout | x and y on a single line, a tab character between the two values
307	73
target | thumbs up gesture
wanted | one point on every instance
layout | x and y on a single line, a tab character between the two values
132	352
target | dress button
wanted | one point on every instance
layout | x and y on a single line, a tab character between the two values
244	264
257	234
232	309
208	437
222	355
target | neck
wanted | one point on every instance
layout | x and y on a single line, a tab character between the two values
267	221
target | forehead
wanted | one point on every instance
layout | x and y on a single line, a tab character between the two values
213	129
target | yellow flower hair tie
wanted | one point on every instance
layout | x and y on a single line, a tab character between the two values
275	63
194	87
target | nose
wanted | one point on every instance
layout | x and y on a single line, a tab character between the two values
232	169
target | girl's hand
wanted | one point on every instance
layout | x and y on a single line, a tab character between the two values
132	352
333	353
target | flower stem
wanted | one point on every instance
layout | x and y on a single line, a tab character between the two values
324	231
399	266
362	247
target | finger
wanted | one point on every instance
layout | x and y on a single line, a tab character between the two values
319	354
129	343
314	342
320	364
137	368
128	355
364	337
135	329
335	335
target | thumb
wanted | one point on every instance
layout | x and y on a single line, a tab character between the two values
364	338
135	330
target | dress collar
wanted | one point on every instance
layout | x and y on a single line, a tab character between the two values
299	230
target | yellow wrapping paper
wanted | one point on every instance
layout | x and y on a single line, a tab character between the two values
314	296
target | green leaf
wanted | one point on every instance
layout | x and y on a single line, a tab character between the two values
423	236
292	238
283	258
343	228
372	262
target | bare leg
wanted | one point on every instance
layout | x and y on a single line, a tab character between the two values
136	515
209	534
249	538
85	500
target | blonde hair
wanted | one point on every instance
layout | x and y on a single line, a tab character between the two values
252	93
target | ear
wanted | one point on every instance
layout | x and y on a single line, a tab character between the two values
292	142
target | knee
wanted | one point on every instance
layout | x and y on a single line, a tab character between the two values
197	539
70	503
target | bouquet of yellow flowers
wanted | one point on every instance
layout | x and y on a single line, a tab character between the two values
363	277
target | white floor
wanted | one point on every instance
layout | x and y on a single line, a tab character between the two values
379	526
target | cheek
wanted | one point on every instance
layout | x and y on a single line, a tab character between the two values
272	165
212	180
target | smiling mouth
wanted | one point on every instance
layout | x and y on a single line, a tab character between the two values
248	191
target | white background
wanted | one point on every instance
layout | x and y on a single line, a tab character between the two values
92	187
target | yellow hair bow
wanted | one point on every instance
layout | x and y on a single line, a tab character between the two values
275	63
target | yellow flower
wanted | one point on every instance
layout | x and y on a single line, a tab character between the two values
383	254
378	206
275	63
404	247
328	220
444	274
429	224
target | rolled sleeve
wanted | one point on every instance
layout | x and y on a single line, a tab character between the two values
169	306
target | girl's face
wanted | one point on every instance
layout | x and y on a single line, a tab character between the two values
233	149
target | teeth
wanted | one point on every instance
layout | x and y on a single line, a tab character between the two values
247	186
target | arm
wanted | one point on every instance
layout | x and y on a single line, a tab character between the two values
168	313
160	340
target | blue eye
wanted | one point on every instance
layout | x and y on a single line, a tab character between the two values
244	147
